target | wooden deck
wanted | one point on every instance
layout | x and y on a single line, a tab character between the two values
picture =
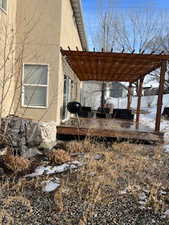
109	128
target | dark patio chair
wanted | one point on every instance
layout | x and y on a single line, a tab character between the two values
103	110
85	112
123	114
166	112
100	115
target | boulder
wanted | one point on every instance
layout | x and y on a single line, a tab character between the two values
48	135
31	152
26	134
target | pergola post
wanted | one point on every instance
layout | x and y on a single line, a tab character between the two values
102	95
139	102
129	96
160	95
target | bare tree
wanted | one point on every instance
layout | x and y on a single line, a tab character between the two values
128	29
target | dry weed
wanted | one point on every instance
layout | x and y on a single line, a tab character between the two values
58	200
154	199
59	156
80	146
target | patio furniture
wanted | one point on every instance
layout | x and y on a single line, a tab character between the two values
103	110
123	114
85	112
166	112
101	115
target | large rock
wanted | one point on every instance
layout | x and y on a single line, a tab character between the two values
48	135
26	134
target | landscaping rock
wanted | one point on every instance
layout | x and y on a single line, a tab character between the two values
26	134
31	152
48	134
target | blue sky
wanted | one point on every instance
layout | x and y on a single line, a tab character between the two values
92	8
90	5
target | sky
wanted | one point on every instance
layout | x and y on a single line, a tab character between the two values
91	4
93	8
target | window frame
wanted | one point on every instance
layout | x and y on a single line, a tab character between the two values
35	85
4	10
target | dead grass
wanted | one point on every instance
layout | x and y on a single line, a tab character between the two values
125	166
81	146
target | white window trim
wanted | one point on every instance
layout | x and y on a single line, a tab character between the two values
35	85
5	10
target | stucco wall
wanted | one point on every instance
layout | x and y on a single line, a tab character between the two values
7	57
43	26
69	37
38	36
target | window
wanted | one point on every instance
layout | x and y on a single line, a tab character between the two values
35	84
3	4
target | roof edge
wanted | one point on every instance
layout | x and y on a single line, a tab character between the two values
78	13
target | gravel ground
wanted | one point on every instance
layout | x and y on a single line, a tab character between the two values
24	203
118	209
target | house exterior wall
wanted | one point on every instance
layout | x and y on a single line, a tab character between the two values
43	26
68	37
7	57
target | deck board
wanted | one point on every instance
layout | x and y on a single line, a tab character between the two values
109	128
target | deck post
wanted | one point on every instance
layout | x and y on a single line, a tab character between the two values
129	96
139	102
160	95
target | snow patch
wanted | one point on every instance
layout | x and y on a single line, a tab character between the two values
41	170
50	185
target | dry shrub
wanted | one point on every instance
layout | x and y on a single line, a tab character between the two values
5	217
59	156
16	163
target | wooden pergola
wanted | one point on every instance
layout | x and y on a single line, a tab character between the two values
122	67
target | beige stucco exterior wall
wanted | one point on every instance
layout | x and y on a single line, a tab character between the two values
38	26
69	37
43	26
7	57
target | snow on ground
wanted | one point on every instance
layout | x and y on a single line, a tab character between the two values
55	169
149	105
51	185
